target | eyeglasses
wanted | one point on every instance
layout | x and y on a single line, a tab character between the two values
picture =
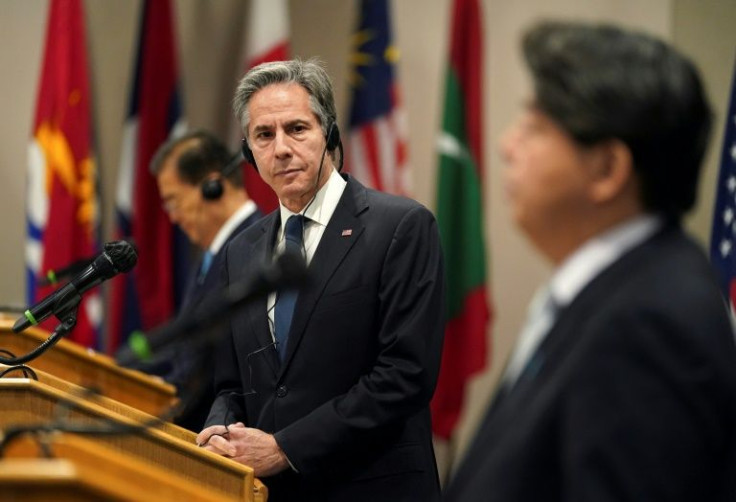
232	395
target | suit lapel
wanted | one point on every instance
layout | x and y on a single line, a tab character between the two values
569	326
342	232
196	290
261	252
191	294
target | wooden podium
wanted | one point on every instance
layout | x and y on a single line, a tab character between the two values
64	372
87	368
82	470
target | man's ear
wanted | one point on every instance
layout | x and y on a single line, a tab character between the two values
612	170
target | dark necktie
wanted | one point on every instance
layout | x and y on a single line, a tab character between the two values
284	310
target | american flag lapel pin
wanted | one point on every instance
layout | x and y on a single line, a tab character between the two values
347	232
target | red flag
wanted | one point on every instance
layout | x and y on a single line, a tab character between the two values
267	40
62	179
148	296
460	218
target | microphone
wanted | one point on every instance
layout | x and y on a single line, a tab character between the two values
288	271
54	276
118	256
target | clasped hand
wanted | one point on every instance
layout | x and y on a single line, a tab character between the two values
251	447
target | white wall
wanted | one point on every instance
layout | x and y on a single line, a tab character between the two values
209	41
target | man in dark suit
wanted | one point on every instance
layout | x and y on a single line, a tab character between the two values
332	404
622	386
201	187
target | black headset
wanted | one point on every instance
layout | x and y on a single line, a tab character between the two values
332	139
212	188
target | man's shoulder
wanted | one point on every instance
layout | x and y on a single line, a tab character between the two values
248	222
253	231
674	254
375	199
666	277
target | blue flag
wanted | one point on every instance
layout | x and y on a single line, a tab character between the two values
150	294
723	236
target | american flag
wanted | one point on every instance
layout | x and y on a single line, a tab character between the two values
377	146
723	236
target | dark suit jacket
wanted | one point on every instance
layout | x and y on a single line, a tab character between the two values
188	363
191	370
350	404
631	397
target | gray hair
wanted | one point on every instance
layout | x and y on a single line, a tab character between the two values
309	74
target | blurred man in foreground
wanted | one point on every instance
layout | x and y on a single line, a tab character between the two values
622	385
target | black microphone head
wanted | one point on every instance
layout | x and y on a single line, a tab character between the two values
123	255
289	270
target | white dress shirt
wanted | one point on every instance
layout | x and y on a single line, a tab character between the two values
230	225
576	272
318	215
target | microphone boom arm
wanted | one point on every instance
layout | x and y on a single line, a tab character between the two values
68	320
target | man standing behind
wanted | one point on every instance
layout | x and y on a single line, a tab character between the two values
622	386
325	391
201	187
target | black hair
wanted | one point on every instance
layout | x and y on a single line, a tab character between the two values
202	155
601	82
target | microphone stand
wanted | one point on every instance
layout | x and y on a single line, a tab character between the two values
68	318
288	272
107	426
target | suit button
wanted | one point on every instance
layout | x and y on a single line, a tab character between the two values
282	391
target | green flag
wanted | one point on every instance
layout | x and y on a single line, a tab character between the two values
460	218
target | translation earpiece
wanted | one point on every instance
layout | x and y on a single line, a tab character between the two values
212	188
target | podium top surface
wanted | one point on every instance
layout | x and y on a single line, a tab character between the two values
91	369
33	405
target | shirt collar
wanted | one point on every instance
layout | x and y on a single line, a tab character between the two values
325	202
231	224
596	254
